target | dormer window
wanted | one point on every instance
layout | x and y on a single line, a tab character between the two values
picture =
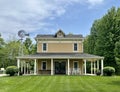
60	34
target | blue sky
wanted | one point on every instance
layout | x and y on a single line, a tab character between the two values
47	16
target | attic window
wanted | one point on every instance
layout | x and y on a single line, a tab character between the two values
60	34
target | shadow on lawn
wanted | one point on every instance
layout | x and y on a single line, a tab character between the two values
114	83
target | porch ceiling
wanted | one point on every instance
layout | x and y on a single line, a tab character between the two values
61	56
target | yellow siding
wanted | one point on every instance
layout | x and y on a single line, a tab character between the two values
39	47
48	65
80	62
59	47
40	64
81	66
80	48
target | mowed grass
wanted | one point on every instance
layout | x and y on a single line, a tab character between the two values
60	84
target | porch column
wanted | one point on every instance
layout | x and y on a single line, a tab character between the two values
101	66
91	67
98	64
68	67
85	66
18	65
51	66
21	67
94	67
27	67
35	67
24	67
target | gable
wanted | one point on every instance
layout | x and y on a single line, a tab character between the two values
60	34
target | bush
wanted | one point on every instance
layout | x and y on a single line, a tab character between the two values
98	72
11	70
108	71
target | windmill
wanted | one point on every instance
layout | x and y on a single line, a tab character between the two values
22	35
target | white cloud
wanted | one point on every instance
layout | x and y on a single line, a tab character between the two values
31	15
95	2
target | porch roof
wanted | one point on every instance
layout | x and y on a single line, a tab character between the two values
61	56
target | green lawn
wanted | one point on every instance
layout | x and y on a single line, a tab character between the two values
60	84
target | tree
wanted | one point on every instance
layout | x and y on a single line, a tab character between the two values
31	48
104	34
117	55
9	53
2	43
2	46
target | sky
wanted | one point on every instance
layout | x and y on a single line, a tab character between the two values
48	16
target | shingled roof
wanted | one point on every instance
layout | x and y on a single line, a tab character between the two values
54	35
62	55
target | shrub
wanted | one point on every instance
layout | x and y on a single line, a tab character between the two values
108	71
98	72
11	70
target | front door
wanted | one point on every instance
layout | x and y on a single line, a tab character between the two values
60	67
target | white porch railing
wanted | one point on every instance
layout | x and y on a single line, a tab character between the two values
75	71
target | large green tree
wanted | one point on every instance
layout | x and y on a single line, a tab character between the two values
9	51
117	55
105	32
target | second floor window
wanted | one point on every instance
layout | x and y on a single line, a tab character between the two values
44	46
75	47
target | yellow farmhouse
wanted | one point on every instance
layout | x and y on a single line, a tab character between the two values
60	54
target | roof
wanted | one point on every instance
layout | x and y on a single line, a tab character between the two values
61	56
55	35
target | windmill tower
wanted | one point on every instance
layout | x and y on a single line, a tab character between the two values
22	35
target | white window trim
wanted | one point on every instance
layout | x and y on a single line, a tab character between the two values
77	47
77	63
42	65
46	47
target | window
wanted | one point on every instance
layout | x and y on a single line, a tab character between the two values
44	46
75	65
44	65
60	35
75	47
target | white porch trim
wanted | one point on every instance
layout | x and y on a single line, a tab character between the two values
27	68
98	64
94	67
51	66
21	66
68	67
102	66
85	66
18	65
35	67
24	67
91	67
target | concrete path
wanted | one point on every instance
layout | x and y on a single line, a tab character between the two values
1	75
